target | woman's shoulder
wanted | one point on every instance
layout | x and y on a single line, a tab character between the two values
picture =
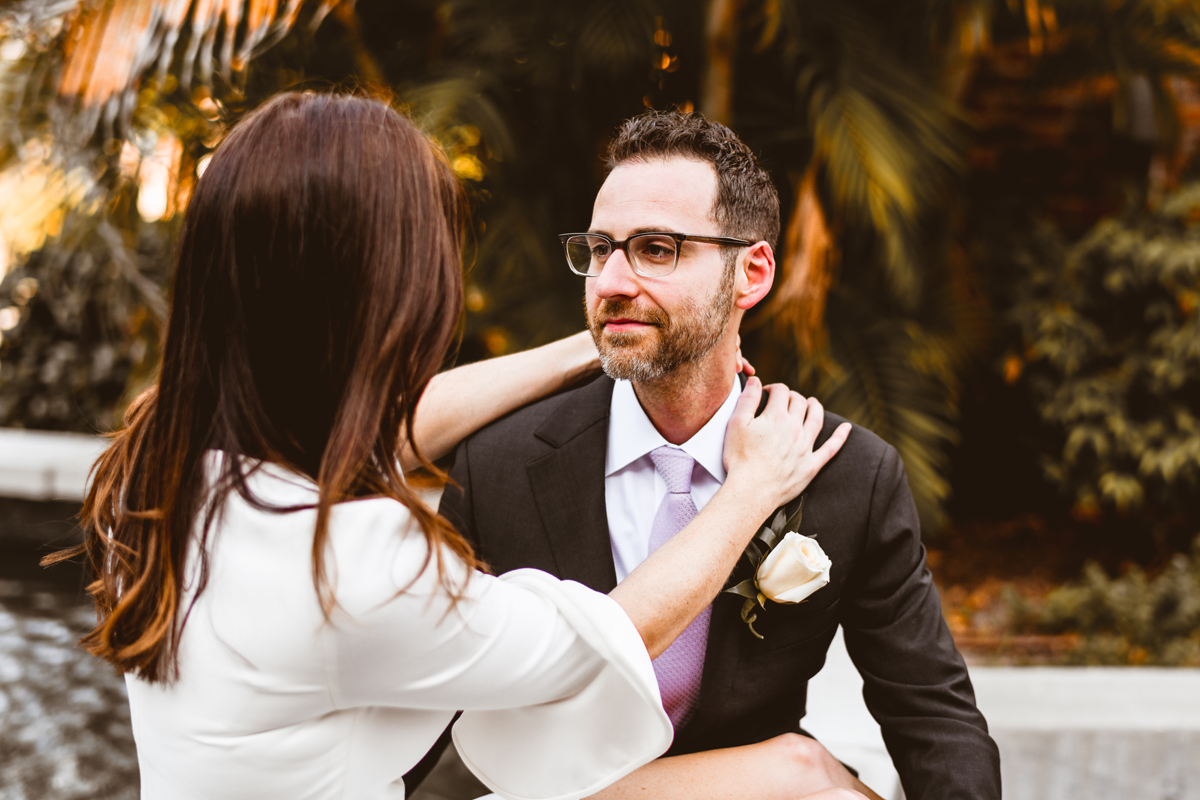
275	489
374	543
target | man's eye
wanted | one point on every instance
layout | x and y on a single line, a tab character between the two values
600	250
658	249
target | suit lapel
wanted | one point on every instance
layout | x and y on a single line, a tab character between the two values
568	486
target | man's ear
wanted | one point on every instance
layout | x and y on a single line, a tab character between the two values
755	275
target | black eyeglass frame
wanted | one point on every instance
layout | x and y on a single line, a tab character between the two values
623	246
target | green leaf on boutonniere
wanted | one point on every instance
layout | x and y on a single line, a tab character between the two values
793	524
749	590
756	550
746	588
767	537
754	554
749	616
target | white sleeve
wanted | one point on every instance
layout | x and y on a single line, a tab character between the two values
577	745
559	694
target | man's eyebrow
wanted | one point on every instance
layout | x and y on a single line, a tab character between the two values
636	231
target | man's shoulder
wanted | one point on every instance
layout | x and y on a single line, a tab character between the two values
863	447
548	422
855	467
862	442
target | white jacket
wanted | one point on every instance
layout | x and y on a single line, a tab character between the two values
274	702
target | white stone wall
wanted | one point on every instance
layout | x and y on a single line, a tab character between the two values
1065	733
42	465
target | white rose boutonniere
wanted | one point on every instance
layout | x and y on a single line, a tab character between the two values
788	567
795	568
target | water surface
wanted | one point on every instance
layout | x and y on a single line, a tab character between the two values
64	715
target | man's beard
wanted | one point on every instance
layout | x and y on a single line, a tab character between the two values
681	339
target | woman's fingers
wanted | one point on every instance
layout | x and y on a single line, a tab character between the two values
812	460
832	444
778	399
742	364
748	401
814	421
775	450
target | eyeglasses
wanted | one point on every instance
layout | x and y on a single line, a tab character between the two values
652	255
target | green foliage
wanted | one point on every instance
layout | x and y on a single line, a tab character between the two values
870	113
889	139
1132	619
885	377
90	310
524	95
545	84
1128	40
1111	338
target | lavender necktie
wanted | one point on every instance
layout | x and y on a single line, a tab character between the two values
679	667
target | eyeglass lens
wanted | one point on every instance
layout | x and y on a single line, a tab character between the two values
651	254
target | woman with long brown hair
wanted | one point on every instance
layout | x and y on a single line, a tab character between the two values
292	619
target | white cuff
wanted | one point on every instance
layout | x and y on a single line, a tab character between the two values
574	747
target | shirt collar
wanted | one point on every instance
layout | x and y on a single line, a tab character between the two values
632	435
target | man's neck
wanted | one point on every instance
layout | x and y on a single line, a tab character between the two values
680	404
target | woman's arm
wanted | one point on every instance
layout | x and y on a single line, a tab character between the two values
462	400
769	459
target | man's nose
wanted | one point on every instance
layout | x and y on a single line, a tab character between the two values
616	278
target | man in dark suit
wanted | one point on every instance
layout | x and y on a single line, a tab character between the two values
680	247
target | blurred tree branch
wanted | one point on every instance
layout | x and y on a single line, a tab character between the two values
720	35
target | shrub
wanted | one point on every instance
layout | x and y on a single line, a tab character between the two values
83	317
1110	353
1132	619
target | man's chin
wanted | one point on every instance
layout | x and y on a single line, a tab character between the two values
627	340
627	362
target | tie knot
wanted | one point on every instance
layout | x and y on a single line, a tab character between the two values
676	468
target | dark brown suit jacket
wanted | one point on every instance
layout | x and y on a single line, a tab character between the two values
531	494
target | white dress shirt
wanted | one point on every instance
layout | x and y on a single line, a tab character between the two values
633	489
272	700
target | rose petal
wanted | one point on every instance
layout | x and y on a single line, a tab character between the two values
801	593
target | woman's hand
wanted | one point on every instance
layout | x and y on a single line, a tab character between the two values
771	456
742	364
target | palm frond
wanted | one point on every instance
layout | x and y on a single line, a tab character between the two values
805	271
607	39
443	103
107	46
888	143
882	382
617	35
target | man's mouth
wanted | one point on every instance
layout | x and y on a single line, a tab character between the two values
619	324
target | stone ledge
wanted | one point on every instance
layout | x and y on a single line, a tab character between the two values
1099	764
46	465
1100	733
1089	698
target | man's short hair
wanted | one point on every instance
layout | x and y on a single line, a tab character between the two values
746	205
